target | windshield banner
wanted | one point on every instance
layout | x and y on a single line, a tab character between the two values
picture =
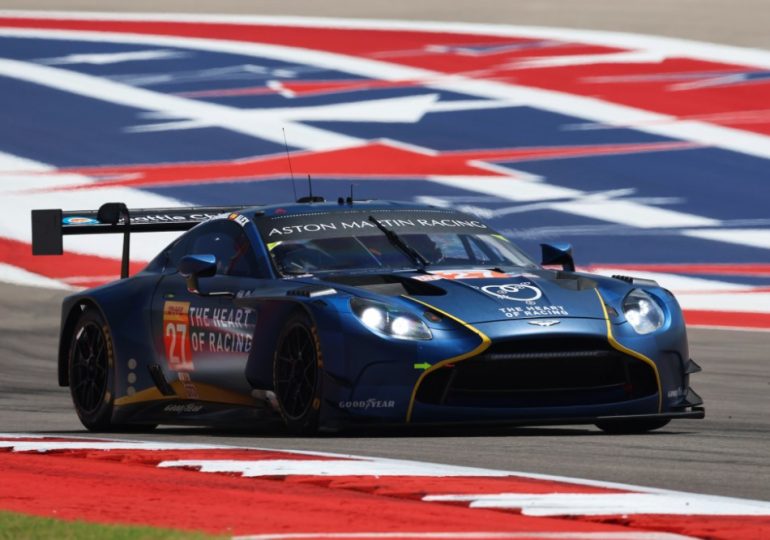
356	223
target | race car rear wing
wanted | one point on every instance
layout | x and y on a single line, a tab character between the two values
50	226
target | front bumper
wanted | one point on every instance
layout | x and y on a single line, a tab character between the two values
608	381
504	421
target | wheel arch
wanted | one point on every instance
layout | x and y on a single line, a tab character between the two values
272	317
72	308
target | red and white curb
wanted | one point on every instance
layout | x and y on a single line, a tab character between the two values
324	495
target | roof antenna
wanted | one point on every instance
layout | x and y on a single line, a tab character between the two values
288	158
310	188
350	199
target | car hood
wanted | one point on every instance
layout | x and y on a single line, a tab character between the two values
483	295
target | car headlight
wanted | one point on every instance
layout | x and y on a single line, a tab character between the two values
642	312
388	320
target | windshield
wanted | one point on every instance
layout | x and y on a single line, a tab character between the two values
351	239
446	250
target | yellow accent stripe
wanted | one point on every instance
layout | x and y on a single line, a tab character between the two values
205	391
149	394
639	356
485	343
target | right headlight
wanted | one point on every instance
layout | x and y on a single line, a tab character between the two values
388	320
642	312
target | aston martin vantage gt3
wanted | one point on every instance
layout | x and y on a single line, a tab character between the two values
325	315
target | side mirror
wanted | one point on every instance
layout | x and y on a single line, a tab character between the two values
558	254
194	267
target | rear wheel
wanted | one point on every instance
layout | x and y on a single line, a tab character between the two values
91	365
91	371
297	367
628	427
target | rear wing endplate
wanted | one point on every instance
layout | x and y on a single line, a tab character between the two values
50	226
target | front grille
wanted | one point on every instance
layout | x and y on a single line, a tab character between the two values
555	372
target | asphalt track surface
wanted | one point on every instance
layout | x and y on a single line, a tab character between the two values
725	454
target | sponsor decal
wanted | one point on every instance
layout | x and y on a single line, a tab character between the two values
449	223
364	223
192	330
200	217
221	330
79	220
307	228
545	323
519	292
239	219
166	218
176	335
530	311
370	403
150	218
181	408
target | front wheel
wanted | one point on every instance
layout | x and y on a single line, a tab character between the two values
297	367
631	426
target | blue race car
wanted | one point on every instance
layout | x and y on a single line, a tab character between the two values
325	315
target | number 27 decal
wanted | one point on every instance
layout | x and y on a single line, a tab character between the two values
176	335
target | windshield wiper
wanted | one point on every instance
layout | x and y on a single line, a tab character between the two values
420	261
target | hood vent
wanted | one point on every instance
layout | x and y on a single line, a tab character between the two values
388	285
574	282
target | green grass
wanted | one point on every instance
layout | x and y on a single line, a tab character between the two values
21	527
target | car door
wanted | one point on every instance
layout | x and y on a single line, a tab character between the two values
203	340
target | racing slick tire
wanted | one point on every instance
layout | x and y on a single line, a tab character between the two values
297	370
630	427
91	365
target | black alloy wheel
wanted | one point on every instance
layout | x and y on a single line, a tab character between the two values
296	375
91	371
90	365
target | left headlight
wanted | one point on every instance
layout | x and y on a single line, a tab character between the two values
642	312
388	320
